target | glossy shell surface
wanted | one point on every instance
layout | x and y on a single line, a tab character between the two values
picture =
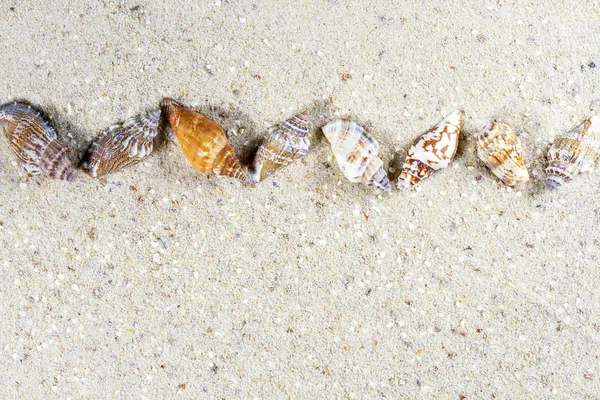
356	153
432	151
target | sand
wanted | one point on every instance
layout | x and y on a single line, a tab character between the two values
159	282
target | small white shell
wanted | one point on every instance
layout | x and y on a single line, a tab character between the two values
356	153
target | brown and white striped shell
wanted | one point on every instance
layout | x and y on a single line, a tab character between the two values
432	151
356	153
286	142
122	145
202	141
499	148
574	152
35	142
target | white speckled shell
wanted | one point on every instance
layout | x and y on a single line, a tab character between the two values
356	153
433	150
122	145
574	152
499	148
35	142
286	142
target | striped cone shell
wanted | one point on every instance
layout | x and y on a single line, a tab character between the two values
356	153
122	145
35	142
202	141
286	143
432	151
499	148
572	153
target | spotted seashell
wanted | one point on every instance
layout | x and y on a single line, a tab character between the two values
35	142
433	150
122	145
499	148
286	142
202	141
356	153
574	152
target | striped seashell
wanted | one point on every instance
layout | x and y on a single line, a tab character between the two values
286	142
574	152
499	148
202	141
432	151
35	142
356	153
122	145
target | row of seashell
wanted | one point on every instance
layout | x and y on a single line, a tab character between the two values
204	143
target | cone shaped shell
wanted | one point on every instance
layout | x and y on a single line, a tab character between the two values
122	145
572	153
356	153
286	143
202	141
432	151
35	142
499	148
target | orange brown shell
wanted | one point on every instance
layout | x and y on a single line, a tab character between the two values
35	142
202	141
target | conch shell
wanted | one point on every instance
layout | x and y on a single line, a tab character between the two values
122	145
35	142
432	151
499	148
574	152
286	142
356	153
202	141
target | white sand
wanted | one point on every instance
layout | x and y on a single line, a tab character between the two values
303	287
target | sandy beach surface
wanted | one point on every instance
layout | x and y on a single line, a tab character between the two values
160	282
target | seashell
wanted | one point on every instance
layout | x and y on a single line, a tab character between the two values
356	153
202	141
35	142
432	151
574	152
286	142
499	148
122	145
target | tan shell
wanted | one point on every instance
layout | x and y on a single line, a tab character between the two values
499	148
202	141
122	145
286	143
356	153
574	152
433	150
35	142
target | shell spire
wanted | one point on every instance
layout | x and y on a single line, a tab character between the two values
432	151
122	145
499	148
356	153
202	141
286	142
574	152
35	142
